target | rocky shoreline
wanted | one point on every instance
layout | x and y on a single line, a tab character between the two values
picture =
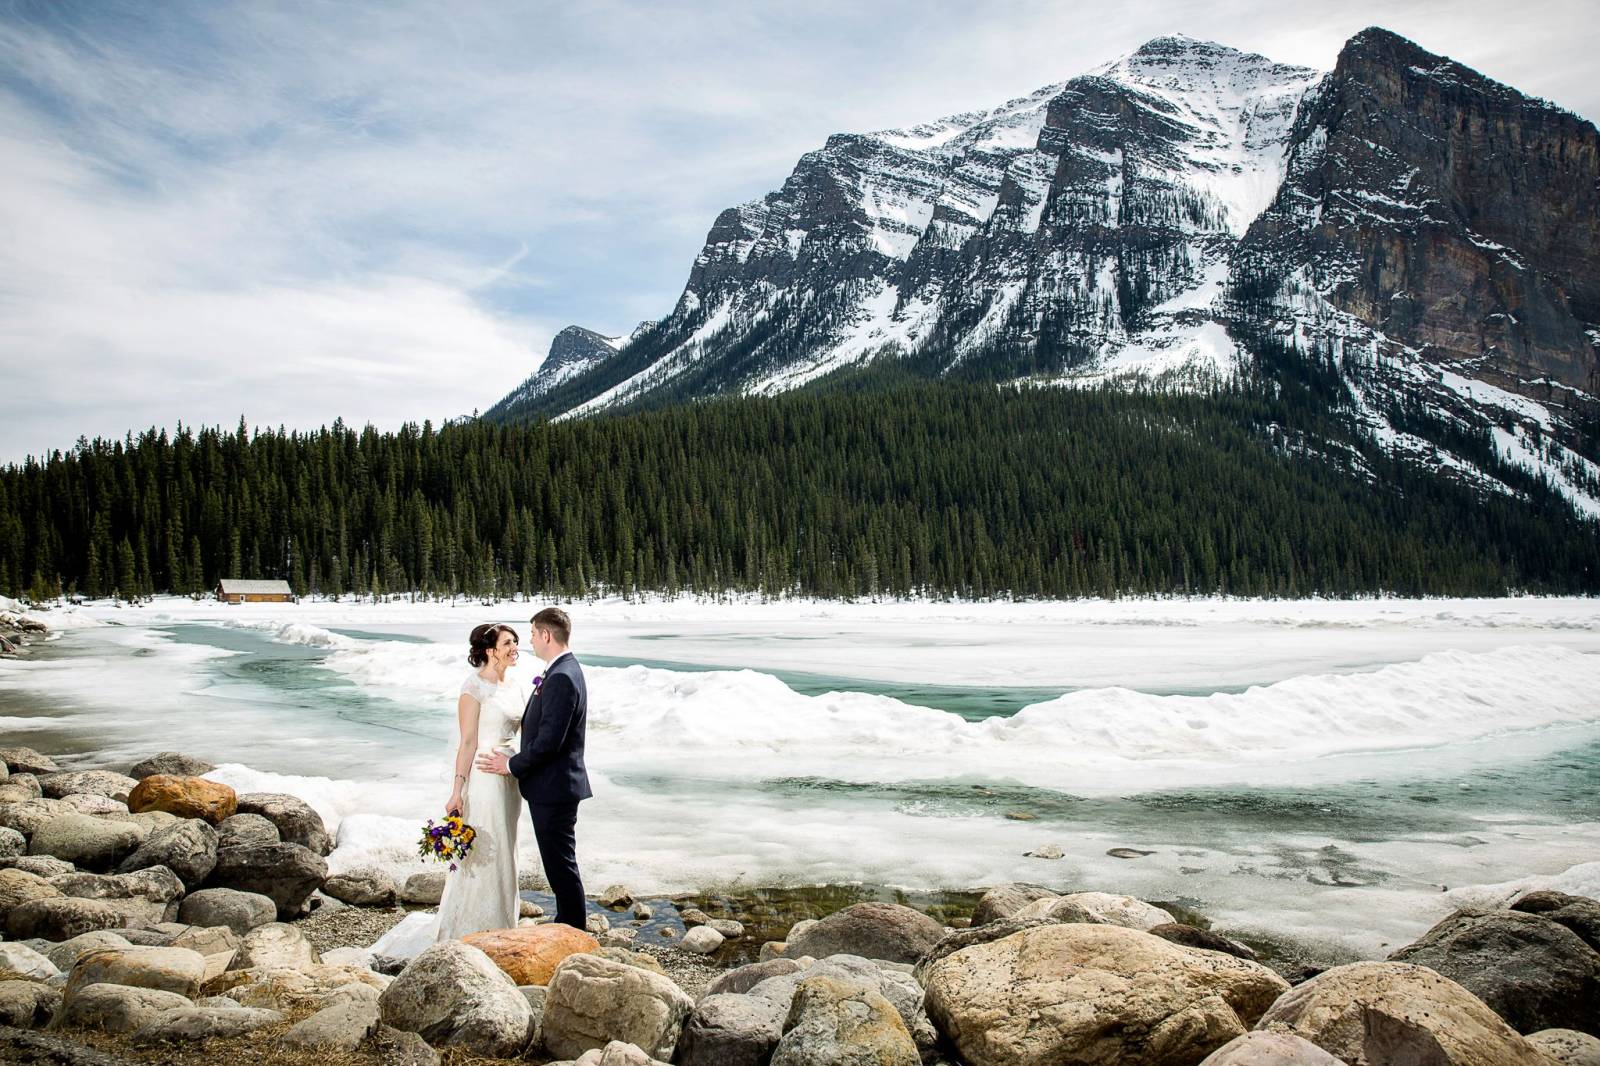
158	916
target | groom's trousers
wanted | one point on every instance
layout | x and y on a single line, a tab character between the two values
555	830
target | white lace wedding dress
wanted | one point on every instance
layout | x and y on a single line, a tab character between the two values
482	892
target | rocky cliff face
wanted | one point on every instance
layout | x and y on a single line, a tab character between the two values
1436	231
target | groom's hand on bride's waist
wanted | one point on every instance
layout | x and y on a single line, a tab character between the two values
493	762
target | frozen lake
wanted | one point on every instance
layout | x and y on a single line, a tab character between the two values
1342	773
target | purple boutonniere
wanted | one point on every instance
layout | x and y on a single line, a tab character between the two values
538	683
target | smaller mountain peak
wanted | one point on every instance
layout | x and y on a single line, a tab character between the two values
575	343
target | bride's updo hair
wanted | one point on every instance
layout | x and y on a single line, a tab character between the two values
483	640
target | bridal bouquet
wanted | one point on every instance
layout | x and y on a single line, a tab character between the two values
448	841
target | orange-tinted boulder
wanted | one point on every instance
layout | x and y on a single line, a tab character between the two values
186	797
529	954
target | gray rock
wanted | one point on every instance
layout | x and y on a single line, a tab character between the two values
12	843
365	886
742	979
702	940
1535	973
341	1027
837	1022
396	1047
93	803
693	916
285	873
61	918
23	960
1567	1047
870	930
146	897
18	887
44	866
994	929
1192	937
727	1029
176	970
616	1053
1270	1049
20	789
94	782
535	995
204	1023
1099	908
896	985
68	952
188	848
730	929
1578	913
27	1004
597	924
425	888
115	1008
85	841
170	762
274	946
27	761
239	911
218	1002
615	897
1003	901
592	1001
642	912
241	830
453	995
27	816
297	823
207	940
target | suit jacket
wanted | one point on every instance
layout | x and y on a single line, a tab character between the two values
549	768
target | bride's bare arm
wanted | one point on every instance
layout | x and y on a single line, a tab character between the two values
467	709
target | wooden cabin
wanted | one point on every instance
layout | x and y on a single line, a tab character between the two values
235	590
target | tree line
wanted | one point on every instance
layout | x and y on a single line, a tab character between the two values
874	484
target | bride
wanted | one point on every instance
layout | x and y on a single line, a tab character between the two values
481	893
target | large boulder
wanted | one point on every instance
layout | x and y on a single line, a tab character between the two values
186	797
315	986
23	960
145	897
1093	993
1099	908
27	1004
702	940
274	946
245	829
898	987
66	954
1567	1047
168	969
171	763
87	842
1377	1013
837	1022
12	843
1003	901
529	954
364	886
593	1001
954	941
616	1053
27	761
18	887
453	995
1578	913
297	823
191	1024
20	789
28	816
871	930
62	918
94	803
742	979
729	1029
1534	972
1270	1049
285	873
188	848
115	1008
239	911
425	888
94	782
342	1027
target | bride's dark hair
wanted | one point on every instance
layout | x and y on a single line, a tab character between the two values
483	640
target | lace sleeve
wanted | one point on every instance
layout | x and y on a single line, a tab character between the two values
473	686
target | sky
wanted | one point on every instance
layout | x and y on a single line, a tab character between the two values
383	211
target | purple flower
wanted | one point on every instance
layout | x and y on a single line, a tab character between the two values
452	867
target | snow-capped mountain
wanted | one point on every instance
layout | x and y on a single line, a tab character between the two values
1433	233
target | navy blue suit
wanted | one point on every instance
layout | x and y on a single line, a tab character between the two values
552	778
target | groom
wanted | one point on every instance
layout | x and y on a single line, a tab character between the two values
549	769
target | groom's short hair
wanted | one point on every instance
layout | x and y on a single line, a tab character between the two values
554	620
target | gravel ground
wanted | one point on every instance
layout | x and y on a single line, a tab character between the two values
348	927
